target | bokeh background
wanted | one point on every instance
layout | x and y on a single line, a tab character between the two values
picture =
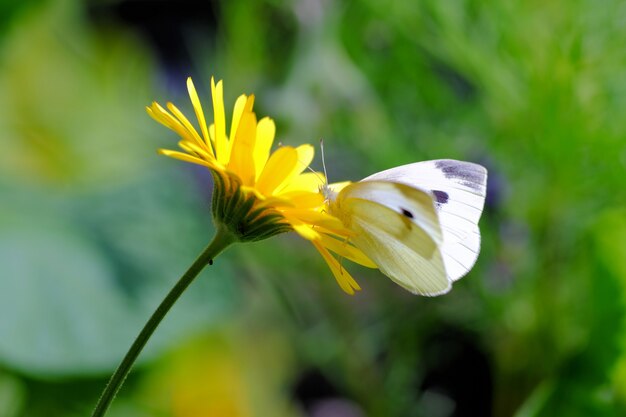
95	227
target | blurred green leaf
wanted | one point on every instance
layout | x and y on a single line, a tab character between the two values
66	113
58	291
90	239
12	396
584	383
611	232
81	274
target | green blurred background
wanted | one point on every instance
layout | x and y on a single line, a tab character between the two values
95	227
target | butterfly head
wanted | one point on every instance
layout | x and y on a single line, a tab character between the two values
324	189
327	192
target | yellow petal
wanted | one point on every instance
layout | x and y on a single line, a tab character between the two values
240	104
305	230
278	170
346	250
344	279
316	218
251	190
188	147
305	156
241	155
221	145
302	199
161	115
187	158
195	150
309	181
188	126
212	133
265	131
197	106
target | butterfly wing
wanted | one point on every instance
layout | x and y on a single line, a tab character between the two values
397	227
459	190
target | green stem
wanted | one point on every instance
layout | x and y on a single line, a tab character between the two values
221	241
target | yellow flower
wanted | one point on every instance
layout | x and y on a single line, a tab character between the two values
259	193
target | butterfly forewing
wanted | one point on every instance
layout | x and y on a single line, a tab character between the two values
458	189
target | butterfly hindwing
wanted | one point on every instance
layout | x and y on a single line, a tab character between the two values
397	227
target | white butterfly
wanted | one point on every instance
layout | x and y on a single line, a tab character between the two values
417	222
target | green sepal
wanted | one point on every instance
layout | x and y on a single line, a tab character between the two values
243	215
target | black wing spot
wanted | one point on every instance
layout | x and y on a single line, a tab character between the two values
472	175
407	213
441	196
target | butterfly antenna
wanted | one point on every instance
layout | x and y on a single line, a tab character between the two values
316	173
323	160
325	188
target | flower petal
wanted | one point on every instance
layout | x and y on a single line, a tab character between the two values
241	155
265	131
305	156
346	250
304	230
302	199
240	104
344	279
317	218
278	170
188	126
309	181
197	106
194	150
219	119
188	158
162	116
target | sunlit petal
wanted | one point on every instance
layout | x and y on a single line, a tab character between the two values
346	250
199	113
219	119
278	170
344	279
309	181
265	131
242	150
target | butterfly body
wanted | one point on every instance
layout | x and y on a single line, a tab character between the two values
417	222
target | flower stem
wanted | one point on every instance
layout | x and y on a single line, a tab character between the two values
223	238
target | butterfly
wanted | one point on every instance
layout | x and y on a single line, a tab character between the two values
418	222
